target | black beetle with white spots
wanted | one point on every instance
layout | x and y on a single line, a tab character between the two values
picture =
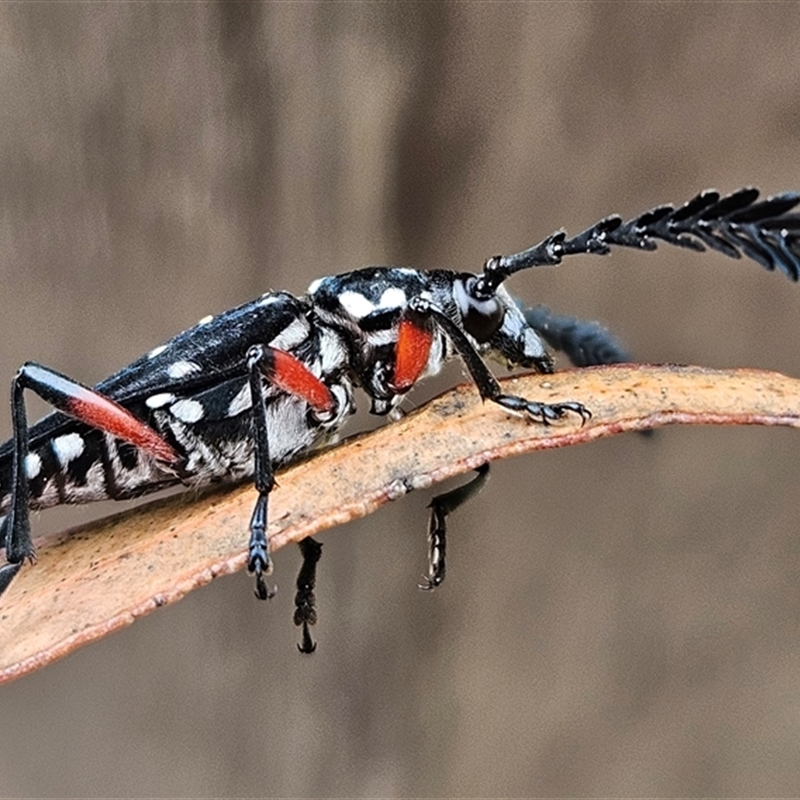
254	388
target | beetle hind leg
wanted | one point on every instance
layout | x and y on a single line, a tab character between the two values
83	404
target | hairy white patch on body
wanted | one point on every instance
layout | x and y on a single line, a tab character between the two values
187	410
33	465
241	402
294	333
68	447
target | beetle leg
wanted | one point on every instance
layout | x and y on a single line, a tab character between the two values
487	384
441	506
289	374
414	338
82	403
305	602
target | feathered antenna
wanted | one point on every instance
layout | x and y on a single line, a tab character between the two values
735	225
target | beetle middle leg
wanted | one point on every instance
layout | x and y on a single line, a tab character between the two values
441	506
290	375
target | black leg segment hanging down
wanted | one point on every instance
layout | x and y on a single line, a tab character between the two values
284	371
305	602
441	506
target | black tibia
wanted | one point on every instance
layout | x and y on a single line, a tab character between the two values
487	385
585	343
258	562
19	545
305	602
16	526
441	506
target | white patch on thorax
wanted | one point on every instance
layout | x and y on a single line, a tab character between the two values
393	297
359	306
332	352
242	402
355	304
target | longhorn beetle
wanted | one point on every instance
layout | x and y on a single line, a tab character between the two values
252	389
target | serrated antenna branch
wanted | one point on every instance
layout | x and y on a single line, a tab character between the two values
735	225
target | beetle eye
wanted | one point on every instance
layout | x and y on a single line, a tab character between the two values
482	318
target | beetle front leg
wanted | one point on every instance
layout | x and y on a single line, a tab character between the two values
487	384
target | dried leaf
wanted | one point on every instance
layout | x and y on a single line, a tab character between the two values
101	577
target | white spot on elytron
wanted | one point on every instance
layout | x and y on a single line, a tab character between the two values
180	369
315	285
68	447
157	351
187	410
33	465
242	402
208	318
393	297
159	400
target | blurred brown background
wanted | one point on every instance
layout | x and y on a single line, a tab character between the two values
633	626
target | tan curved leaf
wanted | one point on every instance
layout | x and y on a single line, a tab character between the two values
93	580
